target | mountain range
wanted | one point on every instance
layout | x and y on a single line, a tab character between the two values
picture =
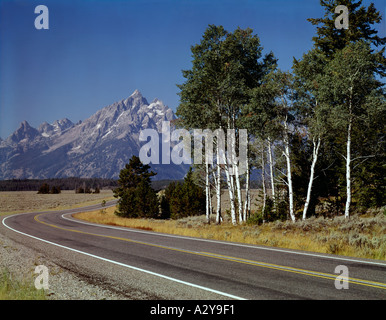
99	146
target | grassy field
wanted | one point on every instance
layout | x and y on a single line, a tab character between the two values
360	236
27	201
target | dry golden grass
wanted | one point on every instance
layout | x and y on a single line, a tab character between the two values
337	236
24	201
359	236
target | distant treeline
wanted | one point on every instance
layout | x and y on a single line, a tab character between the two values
62	183
69	184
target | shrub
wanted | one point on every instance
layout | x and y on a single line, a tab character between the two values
79	190
55	190
44	189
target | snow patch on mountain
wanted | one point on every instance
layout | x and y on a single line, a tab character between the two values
96	147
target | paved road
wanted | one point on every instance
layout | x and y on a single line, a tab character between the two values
175	267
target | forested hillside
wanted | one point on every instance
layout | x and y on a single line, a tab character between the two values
317	132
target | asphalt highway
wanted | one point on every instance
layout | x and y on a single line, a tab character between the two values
176	267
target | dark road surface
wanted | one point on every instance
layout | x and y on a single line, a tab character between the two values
212	269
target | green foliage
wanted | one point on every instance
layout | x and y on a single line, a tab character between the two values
337	84
87	189
361	20
183	199
256	218
226	66
270	213
44	189
12	288
137	199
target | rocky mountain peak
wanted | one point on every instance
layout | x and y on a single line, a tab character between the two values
99	146
136	93
25	131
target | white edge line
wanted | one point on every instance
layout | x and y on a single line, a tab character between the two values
125	265
222	242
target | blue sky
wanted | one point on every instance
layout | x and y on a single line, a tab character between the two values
96	52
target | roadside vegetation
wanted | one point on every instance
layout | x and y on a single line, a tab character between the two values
362	236
314	133
18	289
315	138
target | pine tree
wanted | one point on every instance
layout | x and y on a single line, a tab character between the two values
329	39
136	196
183	199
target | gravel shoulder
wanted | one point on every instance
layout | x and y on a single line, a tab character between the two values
19	257
20	261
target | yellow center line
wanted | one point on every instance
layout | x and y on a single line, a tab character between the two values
232	259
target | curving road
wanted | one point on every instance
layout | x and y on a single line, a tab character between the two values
148	265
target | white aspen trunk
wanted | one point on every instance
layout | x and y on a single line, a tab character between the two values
263	178
231	194
218	194
228	160
348	172
210	202
247	203
271	173
229	179
348	161
236	176
207	192
247	195
238	189
289	176
218	184
314	159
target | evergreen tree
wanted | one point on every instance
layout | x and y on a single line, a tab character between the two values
136	196
44	189
55	190
330	39
183	199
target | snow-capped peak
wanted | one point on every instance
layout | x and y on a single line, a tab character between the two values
136	94
98	146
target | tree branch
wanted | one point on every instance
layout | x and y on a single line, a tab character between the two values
372	156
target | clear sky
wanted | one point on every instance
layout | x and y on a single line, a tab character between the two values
96	52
